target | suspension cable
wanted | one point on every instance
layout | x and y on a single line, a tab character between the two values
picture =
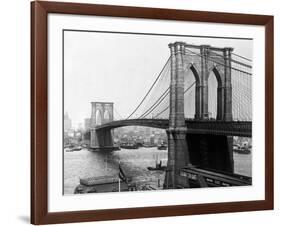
120	116
232	60
219	63
169	106
242	57
150	88
159	100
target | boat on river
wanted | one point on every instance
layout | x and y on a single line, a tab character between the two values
149	145
241	150
129	146
158	166
117	183
101	184
68	150
162	147
163	168
77	148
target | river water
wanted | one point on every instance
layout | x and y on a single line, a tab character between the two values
84	163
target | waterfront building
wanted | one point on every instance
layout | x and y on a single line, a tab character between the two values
67	123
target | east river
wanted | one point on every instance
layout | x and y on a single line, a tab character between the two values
84	163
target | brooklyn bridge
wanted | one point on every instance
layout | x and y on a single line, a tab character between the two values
200	119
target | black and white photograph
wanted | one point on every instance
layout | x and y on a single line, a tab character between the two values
147	112
129	112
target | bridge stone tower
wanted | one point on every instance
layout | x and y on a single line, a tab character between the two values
101	112
178	155
187	149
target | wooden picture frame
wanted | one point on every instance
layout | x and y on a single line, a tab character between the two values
39	112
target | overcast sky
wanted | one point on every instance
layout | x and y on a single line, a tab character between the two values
119	68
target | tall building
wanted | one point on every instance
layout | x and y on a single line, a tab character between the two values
80	126
67	123
87	123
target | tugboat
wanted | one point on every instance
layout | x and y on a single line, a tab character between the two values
158	166
68	150
162	147
129	146
241	150
149	145
77	148
69	147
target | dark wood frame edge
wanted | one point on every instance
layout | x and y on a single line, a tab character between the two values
39	117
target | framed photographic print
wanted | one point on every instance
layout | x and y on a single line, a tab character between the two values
145	112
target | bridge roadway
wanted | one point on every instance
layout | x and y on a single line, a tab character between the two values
214	127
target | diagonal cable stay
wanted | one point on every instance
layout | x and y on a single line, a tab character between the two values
157	78
165	109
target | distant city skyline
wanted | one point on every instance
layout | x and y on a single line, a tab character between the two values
93	73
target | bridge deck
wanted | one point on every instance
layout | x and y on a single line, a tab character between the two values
229	128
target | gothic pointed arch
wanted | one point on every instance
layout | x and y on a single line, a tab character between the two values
99	117
217	74
106	116
193	68
218	95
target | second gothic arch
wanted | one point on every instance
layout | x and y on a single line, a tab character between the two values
218	72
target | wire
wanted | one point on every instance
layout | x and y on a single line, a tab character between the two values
153	106
120	116
234	61
219	63
169	106
242	57
149	89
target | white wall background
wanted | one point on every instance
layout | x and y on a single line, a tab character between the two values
15	112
